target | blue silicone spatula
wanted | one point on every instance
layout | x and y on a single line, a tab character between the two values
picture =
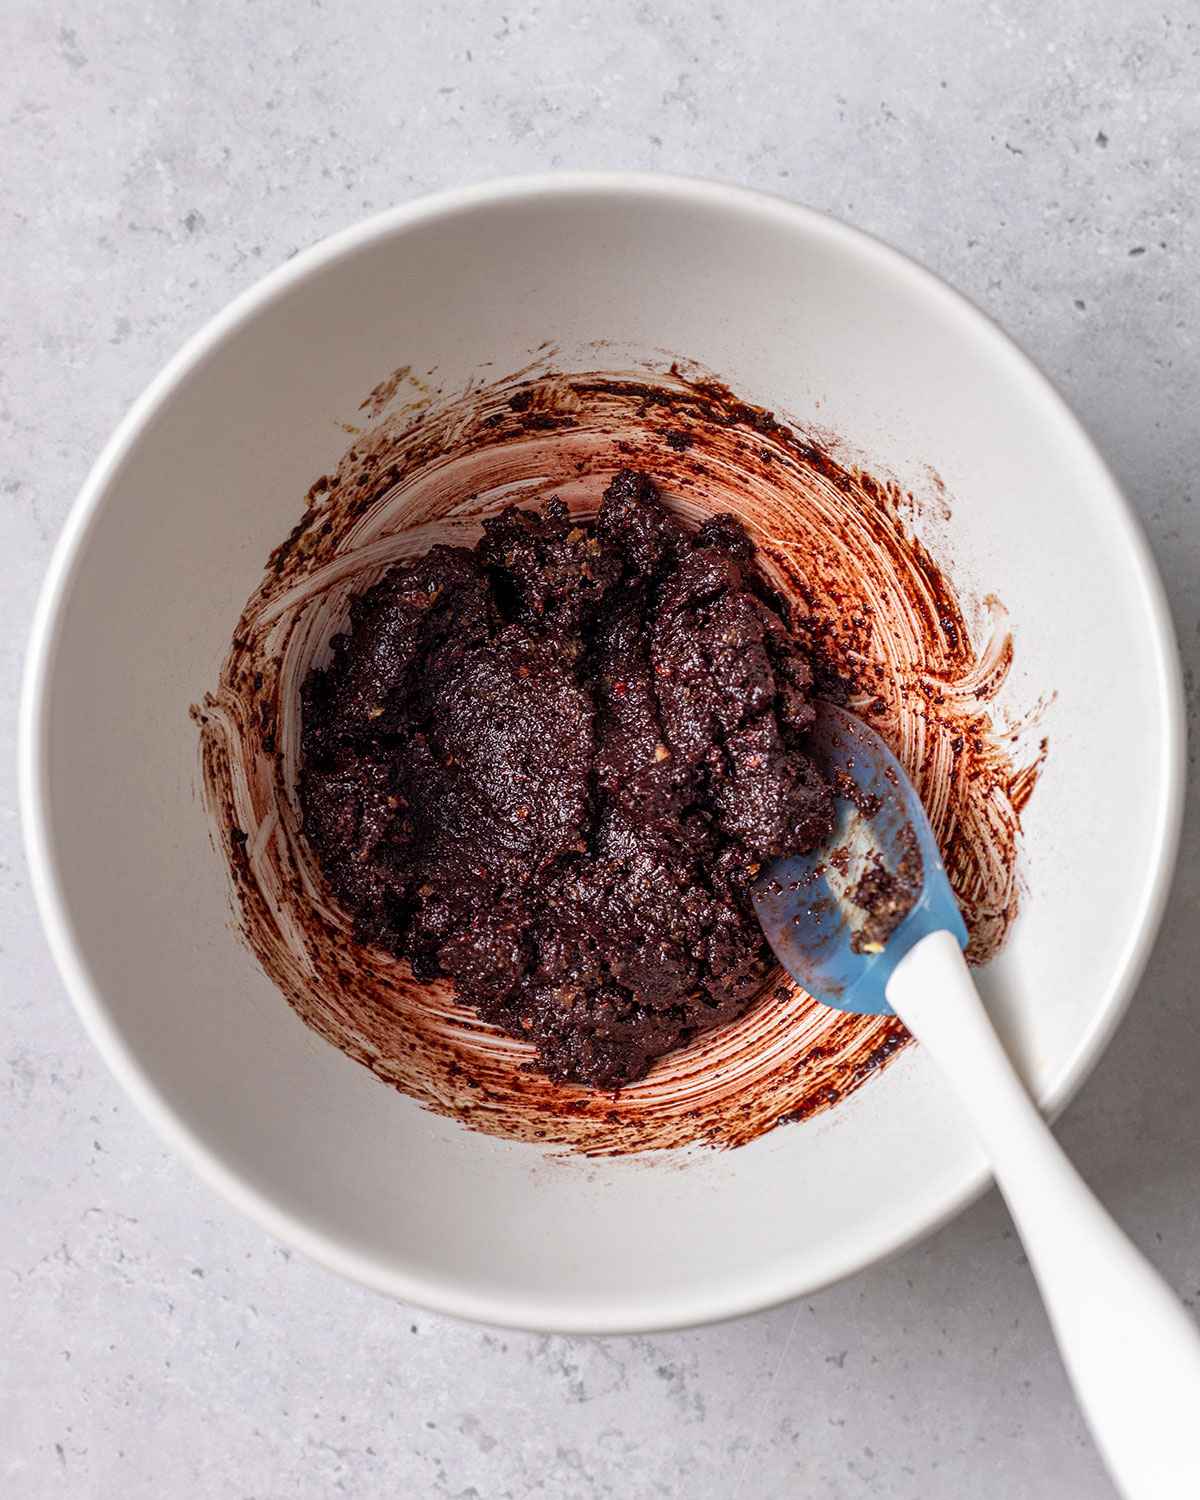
1130	1348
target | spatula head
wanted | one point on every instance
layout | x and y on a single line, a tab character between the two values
840	918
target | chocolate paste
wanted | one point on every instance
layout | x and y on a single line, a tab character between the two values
550	767
861	562
885	897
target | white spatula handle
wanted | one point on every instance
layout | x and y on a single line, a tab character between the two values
1130	1348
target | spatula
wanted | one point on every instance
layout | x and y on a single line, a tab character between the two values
869	923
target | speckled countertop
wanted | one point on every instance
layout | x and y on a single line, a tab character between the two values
156	159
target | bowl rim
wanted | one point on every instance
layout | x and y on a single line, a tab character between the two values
713	1299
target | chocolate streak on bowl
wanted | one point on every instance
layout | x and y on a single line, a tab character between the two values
884	621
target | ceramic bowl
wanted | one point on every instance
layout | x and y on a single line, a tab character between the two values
169	536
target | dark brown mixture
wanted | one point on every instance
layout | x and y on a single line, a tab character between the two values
886	896
551	766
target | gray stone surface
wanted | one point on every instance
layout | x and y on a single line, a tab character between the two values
155	160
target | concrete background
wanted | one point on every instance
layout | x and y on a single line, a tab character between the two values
156	158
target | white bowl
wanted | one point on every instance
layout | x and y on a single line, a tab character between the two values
169	537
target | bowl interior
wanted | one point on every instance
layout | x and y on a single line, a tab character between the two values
209	473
